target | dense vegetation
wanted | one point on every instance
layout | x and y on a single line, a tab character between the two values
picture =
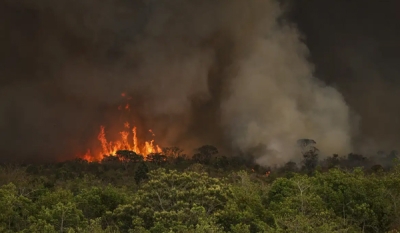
205	193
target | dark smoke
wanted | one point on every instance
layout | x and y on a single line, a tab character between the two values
355	46
234	74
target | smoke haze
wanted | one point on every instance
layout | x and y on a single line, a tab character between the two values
355	47
235	74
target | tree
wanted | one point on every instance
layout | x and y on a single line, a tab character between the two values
141	173
289	169
392	193
96	201
310	160
221	162
62	216
174	154
357	199
156	158
129	156
391	158
333	161
110	159
14	209
204	154
356	160
305	143
245	210
59	209
310	154
169	201
297	207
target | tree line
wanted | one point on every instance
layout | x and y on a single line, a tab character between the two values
203	193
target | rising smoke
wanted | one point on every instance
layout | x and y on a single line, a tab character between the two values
231	73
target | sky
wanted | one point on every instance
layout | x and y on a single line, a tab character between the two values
241	75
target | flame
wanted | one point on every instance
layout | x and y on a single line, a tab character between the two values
88	156
111	147
124	143
135	141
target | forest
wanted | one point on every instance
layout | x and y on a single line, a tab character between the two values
202	193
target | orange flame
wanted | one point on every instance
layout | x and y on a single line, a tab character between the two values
135	141
111	147
88	156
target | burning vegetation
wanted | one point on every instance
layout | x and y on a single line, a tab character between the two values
110	148
128	141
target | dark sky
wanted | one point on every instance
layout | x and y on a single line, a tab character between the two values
355	46
50	51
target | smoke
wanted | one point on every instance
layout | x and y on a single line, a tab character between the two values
232	73
276	100
354	45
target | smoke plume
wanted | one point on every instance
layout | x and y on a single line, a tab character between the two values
234	74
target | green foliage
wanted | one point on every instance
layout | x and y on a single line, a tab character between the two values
141	172
96	201
62	216
355	197
14	209
171	200
297	207
245	210
206	194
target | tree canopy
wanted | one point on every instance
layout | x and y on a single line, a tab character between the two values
207	192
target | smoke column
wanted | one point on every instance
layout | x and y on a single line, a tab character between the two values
234	74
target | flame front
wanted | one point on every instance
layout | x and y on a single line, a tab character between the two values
111	147
128	141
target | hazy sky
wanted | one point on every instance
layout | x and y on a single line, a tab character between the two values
236	74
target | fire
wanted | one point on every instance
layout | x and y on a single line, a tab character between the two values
128	141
